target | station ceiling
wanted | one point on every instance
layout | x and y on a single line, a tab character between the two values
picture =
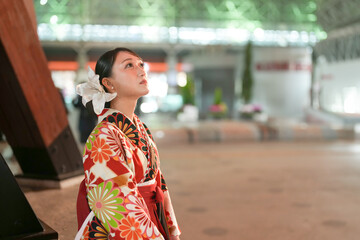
297	15
289	15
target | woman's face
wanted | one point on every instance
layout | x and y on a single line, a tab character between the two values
129	78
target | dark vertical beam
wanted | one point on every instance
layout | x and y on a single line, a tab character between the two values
18	220
32	114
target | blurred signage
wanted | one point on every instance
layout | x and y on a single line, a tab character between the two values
283	66
326	76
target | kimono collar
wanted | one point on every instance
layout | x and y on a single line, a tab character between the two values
127	126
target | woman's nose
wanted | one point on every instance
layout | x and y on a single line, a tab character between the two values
141	71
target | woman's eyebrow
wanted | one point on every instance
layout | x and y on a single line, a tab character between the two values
127	59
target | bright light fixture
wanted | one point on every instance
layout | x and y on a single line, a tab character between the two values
199	36
259	34
181	79
53	19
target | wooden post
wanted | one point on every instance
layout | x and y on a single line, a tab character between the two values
32	114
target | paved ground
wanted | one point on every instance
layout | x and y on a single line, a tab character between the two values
247	191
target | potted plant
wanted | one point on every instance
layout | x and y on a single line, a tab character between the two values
247	78
218	109
188	112
248	111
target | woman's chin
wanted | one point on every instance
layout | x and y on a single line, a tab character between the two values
146	92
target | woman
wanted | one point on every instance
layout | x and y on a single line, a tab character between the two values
124	194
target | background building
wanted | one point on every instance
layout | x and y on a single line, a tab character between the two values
206	41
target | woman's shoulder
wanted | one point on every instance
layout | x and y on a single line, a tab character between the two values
105	129
105	124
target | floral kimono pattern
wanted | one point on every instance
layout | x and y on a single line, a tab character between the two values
119	157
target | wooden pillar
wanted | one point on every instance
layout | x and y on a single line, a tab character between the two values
32	114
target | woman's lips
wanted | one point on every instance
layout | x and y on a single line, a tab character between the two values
143	81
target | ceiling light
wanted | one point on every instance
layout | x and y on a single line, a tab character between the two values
53	19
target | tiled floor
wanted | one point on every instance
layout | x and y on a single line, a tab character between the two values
247	191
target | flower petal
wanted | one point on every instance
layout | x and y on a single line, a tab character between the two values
98	102
91	73
92	90
110	96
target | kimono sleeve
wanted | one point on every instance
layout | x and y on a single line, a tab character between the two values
111	190
169	210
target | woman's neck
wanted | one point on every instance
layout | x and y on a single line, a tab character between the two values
126	106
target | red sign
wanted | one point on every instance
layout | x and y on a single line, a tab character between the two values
283	66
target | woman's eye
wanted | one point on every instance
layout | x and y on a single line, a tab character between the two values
128	65
142	65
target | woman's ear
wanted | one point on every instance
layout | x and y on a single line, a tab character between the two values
107	84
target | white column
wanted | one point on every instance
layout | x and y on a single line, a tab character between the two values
82	59
171	61
282	81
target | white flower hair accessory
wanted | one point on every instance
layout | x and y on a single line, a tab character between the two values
93	91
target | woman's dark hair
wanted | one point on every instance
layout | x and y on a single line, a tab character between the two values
105	63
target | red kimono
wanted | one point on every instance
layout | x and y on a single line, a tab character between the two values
127	197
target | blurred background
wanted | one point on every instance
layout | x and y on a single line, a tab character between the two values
254	106
293	60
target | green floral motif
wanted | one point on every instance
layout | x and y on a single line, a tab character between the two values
89	142
91	138
106	203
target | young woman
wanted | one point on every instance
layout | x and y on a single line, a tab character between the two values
124	194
